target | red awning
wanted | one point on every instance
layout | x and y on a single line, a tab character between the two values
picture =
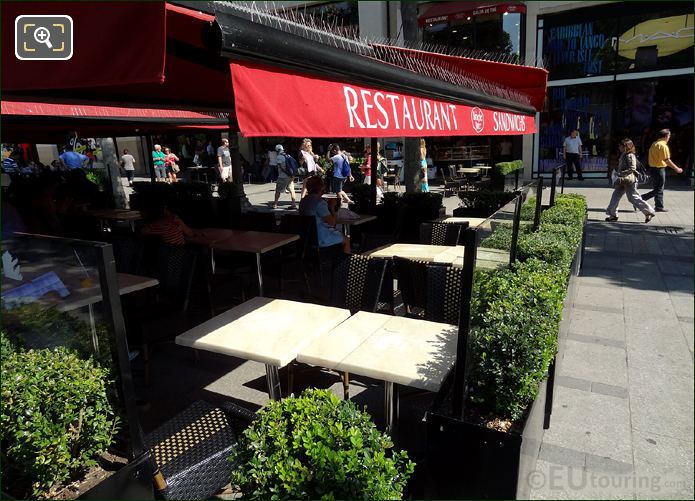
278	102
87	111
115	43
529	80
443	12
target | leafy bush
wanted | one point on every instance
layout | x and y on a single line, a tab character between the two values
504	168
55	417
545	246
501	238
486	201
7	347
317	447
515	322
426	205
528	210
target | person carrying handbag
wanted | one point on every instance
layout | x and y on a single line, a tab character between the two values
170	162
626	184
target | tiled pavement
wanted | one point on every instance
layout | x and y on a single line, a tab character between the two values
622	422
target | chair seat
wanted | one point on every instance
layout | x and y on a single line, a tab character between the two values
192	448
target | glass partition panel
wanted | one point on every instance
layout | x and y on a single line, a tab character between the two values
494	237
65	293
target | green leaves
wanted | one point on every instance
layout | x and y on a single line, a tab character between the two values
516	313
55	416
317	446
505	168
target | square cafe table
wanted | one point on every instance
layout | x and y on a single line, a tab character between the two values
271	331
255	242
347	223
396	350
444	254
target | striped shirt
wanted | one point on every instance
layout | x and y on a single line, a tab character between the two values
168	228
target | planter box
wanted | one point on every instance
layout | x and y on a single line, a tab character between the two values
472	212
468	461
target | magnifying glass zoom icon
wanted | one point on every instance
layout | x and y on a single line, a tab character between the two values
42	35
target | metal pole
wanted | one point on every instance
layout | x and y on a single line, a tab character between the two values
462	367
539	204
515	229
374	163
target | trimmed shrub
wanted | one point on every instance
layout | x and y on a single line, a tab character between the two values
6	346
515	323
317	446
485	201
504	168
545	246
528	210
55	418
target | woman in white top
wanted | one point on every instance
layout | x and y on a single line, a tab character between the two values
308	162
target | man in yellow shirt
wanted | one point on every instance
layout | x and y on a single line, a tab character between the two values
659	159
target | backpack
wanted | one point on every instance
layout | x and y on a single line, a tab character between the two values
346	167
291	166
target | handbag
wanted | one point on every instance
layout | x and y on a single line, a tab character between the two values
627	180
175	168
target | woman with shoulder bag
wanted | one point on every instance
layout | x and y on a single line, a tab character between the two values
626	184
172	167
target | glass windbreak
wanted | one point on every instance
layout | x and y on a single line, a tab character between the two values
494	238
52	304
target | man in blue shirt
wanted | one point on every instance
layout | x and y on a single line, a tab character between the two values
73	160
341	172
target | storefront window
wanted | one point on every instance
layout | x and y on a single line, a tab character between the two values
587	108
576	48
495	32
657	40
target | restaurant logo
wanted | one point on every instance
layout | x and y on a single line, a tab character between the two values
477	119
43	38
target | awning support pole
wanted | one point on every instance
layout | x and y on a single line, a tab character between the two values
375	164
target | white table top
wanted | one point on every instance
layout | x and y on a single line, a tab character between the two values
469	170
271	331
257	242
364	218
447	254
472	221
400	350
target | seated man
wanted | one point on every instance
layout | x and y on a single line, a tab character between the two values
314	205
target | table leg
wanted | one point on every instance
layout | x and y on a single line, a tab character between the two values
212	260
346	230
260	274
273	378
391	407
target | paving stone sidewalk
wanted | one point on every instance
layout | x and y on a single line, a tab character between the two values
622	422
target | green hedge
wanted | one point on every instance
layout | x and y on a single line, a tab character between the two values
55	418
504	168
516	313
488	201
317	446
515	323
528	210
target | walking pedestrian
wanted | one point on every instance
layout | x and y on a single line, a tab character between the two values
158	158
341	172
171	164
572	153
626	184
309	162
224	161
659	158
424	185
128	164
285	178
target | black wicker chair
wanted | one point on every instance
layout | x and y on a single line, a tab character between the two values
128	254
173	266
439	233
192	449
434	289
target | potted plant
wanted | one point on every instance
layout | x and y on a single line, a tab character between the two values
516	342
56	419
506	174
481	203
317	446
